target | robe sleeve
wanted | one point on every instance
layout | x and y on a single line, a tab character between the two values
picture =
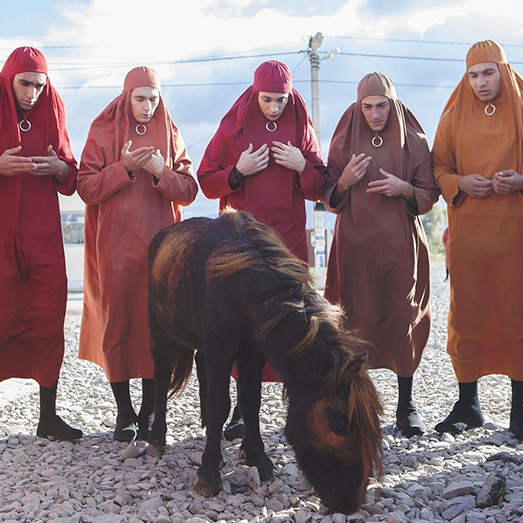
178	184
63	151
426	193
216	166
334	170
444	165
97	182
69	186
311	181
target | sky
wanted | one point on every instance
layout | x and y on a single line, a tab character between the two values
206	51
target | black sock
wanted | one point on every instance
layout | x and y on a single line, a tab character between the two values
124	405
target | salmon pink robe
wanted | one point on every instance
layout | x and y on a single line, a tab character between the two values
123	214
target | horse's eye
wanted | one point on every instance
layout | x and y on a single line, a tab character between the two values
337	421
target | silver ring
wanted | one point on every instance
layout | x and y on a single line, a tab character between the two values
493	109
377	144
22	127
267	126
144	129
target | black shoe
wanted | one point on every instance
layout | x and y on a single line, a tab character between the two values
125	431
516	421
409	422
55	428
235	428
464	416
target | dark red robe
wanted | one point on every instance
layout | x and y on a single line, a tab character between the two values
275	196
33	283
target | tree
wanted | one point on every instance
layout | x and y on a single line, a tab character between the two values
434	223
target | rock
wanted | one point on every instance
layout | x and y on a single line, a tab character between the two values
460	488
492	491
253	478
506	457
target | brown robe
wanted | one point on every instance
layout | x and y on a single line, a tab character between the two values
378	267
485	327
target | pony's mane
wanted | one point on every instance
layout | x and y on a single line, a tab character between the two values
254	246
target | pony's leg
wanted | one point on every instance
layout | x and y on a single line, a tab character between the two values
161	346
218	403
250	371
202	381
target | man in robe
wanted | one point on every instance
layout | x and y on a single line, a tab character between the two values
265	159
477	157
379	180
36	163
134	175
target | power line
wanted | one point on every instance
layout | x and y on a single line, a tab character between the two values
163	62
414	41
404	57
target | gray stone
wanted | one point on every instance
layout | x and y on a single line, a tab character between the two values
459	488
492	491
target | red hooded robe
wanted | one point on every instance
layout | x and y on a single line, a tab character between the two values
275	196
33	284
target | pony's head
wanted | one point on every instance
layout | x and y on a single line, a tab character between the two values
338	441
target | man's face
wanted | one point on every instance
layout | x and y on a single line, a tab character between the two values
144	101
485	79
376	110
27	88
272	104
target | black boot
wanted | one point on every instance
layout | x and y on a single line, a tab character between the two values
446	275
146	414
466	413
126	428
50	425
235	428
516	412
408	420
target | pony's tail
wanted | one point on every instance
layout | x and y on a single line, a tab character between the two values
182	364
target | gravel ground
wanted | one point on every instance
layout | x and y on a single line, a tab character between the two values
430	478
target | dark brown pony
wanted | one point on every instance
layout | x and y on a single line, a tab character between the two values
229	289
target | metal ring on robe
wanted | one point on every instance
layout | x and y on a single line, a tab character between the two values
138	129
487	109
268	126
22	128
380	141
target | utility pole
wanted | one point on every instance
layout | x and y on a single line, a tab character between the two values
319	243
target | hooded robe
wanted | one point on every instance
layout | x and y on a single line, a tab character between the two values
485	334
124	212
276	195
33	283
378	267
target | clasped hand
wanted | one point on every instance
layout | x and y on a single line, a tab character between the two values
390	186
51	165
252	162
145	157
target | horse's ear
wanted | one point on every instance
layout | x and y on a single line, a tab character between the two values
360	360
354	366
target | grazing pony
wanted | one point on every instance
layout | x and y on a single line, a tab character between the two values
229	289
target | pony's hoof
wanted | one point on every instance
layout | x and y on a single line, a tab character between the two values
154	450
207	489
266	475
